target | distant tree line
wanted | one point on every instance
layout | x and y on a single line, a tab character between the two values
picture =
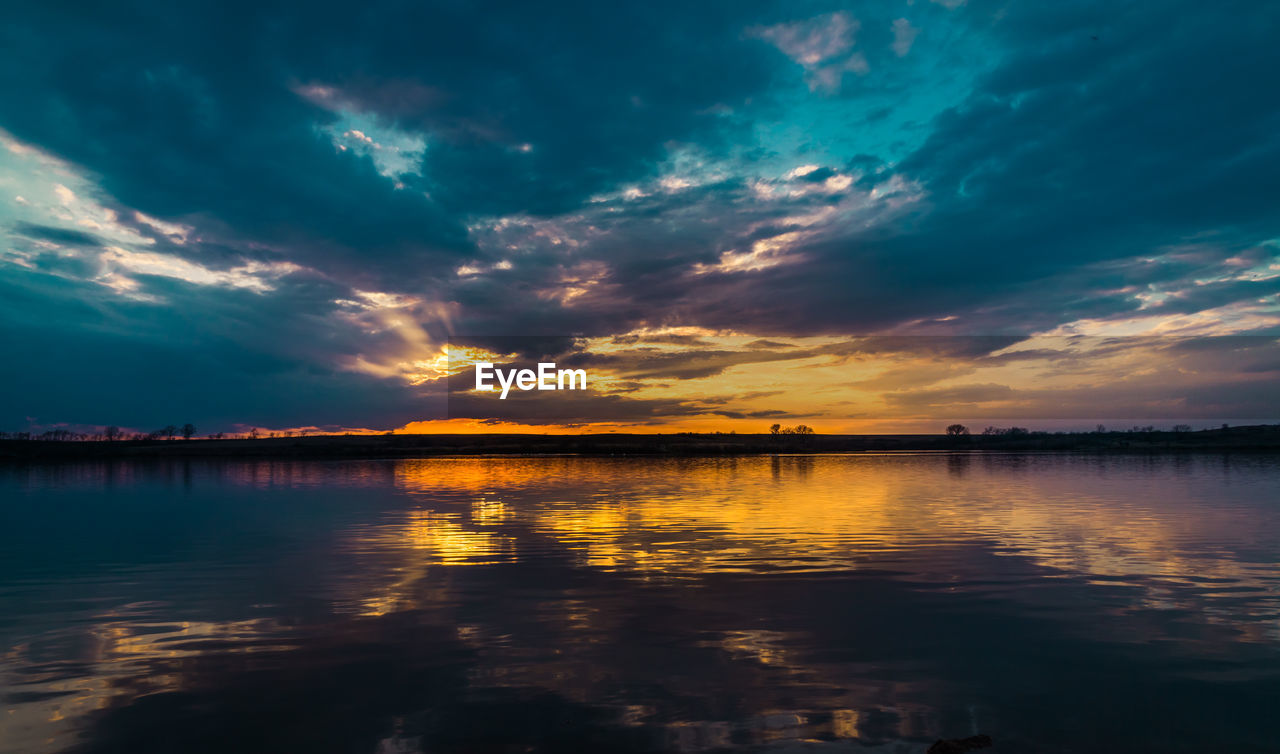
1006	431
110	433
799	429
960	430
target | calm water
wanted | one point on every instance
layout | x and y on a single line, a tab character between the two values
832	603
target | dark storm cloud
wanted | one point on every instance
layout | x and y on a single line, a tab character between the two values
57	235
596	92
193	110
1075	150
178	143
923	346
528	347
76	352
216	385
1221	293
1070	156
214	115
690	341
640	258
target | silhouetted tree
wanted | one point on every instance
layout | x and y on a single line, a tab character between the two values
112	433
1007	431
775	429
168	432
957	430
799	429
188	430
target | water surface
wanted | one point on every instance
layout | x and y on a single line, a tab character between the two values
798	603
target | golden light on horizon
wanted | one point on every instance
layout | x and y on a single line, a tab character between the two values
713	381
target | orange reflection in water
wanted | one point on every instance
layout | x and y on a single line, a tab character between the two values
1078	516
1179	535
1003	525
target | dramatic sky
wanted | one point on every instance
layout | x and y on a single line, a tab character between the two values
282	216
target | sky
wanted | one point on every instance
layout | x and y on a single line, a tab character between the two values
877	216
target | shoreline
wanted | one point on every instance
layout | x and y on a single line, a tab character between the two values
1254	439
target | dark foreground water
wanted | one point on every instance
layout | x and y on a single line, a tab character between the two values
827	604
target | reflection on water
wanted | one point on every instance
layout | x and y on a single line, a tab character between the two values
791	603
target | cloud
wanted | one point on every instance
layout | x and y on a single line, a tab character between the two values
682	365
56	235
904	35
567	407
178	128
962	397
118	371
815	41
822	45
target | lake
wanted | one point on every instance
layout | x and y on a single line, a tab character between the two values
831	603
